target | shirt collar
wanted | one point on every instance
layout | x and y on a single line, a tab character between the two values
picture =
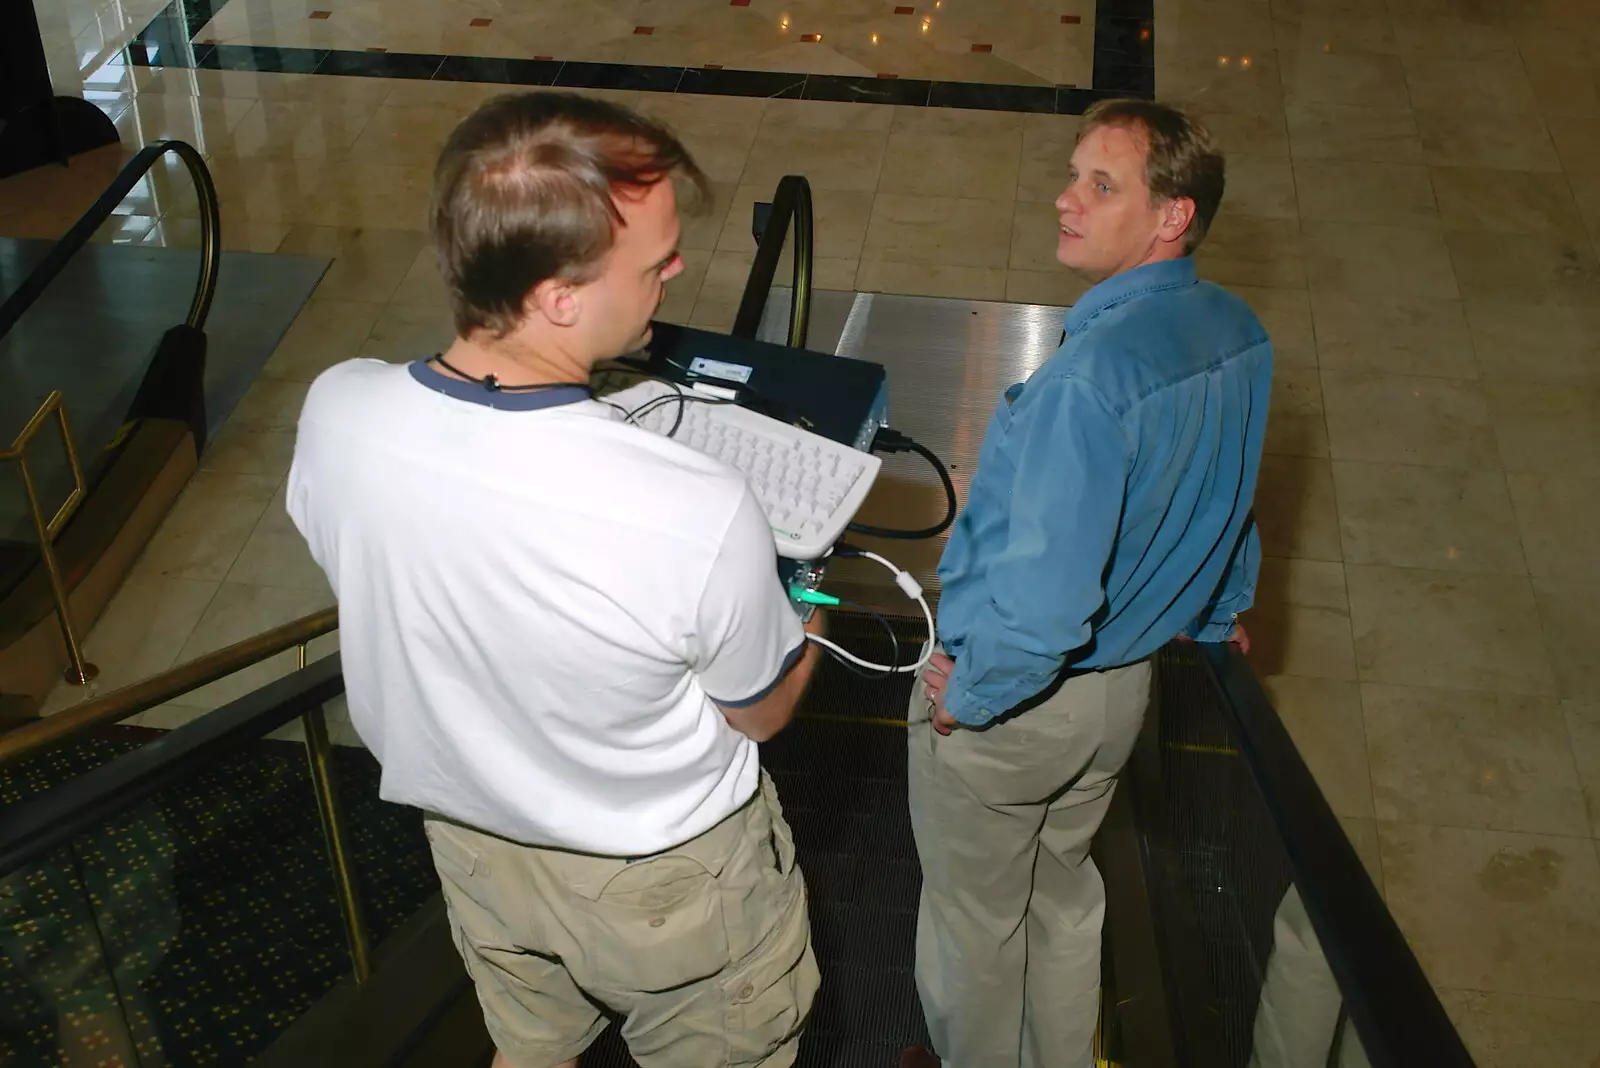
477	393
1167	274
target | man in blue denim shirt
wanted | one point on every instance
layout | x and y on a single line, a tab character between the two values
1109	514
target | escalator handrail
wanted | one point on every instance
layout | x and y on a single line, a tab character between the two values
792	201
1396	1012
32	828
158	689
72	242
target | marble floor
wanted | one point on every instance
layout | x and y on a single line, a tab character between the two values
1413	208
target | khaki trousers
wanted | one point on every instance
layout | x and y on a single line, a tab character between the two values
1008	932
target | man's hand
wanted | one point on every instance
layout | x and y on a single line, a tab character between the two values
934	680
1240	639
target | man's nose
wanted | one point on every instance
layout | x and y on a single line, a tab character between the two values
1067	202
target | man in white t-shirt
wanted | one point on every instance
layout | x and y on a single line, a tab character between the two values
563	635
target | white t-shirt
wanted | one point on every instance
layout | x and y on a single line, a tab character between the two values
538	603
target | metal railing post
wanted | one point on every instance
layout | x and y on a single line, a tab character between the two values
319	753
79	671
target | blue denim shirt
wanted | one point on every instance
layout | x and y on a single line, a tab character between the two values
1109	509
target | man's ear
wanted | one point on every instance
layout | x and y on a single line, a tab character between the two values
1176	215
557	300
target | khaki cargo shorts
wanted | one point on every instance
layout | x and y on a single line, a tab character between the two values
704	950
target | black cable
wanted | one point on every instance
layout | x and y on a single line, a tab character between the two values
894	644
492	383
892	441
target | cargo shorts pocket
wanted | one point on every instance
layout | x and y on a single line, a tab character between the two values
656	925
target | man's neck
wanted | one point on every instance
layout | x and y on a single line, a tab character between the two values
516	361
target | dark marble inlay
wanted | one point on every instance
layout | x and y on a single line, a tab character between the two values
1125	42
635	76
498	71
1039	98
718	82
907	91
416	65
270	60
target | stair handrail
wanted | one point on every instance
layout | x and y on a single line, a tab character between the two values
73	241
157	689
792	201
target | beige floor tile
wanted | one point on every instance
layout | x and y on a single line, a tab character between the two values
1306	583
1295	423
1351	132
1583	726
1472	198
207	124
1363	836
307	130
1586	191
140	632
1536	268
407	136
249	452
932	280
1485	85
1380	260
1496	761
371	195
829	158
1260	186
368	264
325	332
422	284
1511	1031
1428	517
1494	910
255	190
1298	32
269	404
727	273
1304	640
1059	288
1570	612
827	115
1245	251
940	230
1255	134
209	524
1393	194
1324	719
1559	516
985	165
238	612
1397	335
1436	422
703	220
1035	230
1325	77
1452	138
277	555
973	122
1563	89
722	150
1448	35
1518	342
839	220
1295	508
1448	629
402	333
1577	142
1286	313
1546	428
238	235
1046	158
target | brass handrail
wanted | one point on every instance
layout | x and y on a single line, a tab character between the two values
157	689
79	671
790	204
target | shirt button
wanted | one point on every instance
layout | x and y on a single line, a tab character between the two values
746	992
657	921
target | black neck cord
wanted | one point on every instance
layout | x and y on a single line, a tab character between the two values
492	384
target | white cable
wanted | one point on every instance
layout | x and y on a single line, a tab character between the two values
910	587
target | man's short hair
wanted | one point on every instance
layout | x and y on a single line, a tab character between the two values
524	192
1181	159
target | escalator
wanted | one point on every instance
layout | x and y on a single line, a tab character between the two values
234	890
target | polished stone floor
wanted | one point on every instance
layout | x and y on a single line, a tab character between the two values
1413	208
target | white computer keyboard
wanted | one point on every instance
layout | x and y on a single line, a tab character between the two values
809	486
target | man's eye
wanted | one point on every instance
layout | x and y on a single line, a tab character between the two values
1103	188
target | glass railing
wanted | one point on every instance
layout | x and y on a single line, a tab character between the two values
1268	945
188	901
